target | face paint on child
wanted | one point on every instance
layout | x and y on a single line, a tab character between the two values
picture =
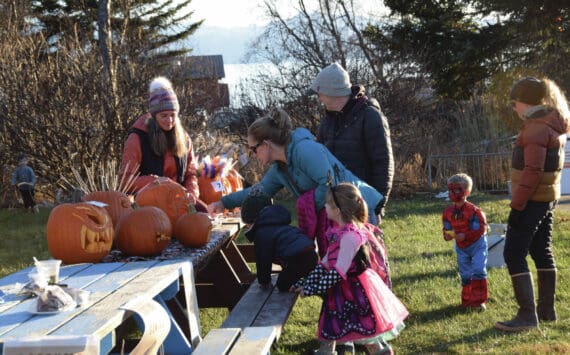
457	192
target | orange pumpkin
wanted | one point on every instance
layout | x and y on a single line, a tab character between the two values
79	233
208	193
145	231
166	194
193	229
118	203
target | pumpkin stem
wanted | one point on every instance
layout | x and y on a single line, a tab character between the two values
191	209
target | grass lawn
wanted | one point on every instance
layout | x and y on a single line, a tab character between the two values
424	274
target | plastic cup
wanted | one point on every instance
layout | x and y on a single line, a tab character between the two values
50	268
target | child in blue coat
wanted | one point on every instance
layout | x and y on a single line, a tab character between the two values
276	241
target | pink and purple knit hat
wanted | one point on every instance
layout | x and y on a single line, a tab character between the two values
162	96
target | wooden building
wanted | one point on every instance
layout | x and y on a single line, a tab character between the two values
202	74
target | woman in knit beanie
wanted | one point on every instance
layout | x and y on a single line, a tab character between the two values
158	145
538	158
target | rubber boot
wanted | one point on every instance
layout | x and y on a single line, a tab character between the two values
479	294
526	317
466	295
546	289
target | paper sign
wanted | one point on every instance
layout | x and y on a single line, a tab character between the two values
156	324
53	344
243	159
217	186
97	203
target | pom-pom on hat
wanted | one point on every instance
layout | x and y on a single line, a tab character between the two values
255	201
332	80
529	90
162	96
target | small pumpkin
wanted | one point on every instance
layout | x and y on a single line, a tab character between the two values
208	193
79	233
193	229
166	194
118	203
145	231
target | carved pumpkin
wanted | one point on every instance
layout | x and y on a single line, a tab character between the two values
166	194
145	231
79	233
208	193
193	229
118	203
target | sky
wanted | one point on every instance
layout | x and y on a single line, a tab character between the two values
228	13
243	13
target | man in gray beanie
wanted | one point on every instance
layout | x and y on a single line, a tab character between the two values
355	130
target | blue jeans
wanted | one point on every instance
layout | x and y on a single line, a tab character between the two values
532	236
472	261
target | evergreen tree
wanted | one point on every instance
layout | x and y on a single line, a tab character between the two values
461	44
446	40
146	28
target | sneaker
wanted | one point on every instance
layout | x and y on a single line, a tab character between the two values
36	209
477	307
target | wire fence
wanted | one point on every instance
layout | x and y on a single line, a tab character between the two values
490	171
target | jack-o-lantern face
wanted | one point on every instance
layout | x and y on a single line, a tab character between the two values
79	232
166	194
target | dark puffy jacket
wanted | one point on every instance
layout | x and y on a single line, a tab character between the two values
538	157
275	239
359	136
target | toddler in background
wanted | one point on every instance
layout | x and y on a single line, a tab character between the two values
24	180
466	223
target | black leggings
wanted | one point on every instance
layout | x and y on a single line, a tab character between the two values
28	197
296	267
533	236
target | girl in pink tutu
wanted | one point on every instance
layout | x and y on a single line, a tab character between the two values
357	305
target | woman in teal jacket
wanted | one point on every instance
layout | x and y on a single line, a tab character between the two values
298	163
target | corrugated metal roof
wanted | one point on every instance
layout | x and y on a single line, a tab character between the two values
203	67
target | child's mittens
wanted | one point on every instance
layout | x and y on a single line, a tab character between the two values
448	235
460	237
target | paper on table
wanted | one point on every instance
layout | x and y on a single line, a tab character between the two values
156	324
54	344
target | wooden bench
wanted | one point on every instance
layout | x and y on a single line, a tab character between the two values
253	325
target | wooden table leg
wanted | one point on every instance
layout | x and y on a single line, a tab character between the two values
238	263
218	284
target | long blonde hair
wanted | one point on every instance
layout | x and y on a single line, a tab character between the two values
555	98
175	140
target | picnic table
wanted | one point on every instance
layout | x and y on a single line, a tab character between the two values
178	281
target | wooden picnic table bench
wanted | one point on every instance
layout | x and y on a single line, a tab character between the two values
253	325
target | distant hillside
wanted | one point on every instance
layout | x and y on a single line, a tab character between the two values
232	43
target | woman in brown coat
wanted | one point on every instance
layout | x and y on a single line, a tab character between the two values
537	162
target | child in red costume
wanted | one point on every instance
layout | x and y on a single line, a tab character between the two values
466	223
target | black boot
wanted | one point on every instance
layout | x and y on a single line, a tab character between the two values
546	289
526	317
